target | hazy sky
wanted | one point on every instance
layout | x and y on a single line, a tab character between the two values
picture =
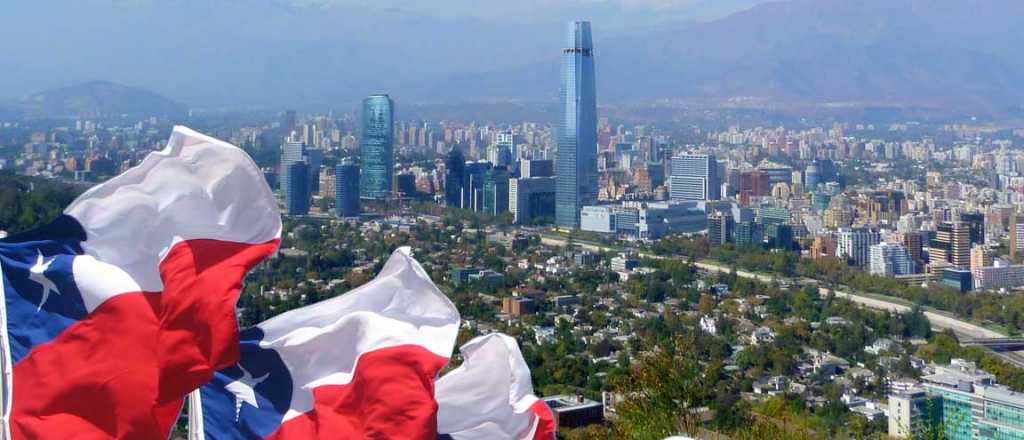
615	13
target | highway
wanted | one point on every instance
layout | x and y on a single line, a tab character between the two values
939	321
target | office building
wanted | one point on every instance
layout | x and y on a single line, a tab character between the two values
346	187
454	178
695	177
516	306
964	402
812	177
914	242
780	236
957	278
975	222
496	191
532	198
854	245
658	219
890	259
720	228
536	168
952	243
998	276
289	121
291	151
500	154
314	160
296	189
377	147
575	411
980	258
624	263
404	185
749	233
473	185
769	216
577	129
598	219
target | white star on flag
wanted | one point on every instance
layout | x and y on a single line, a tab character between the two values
37	273
243	390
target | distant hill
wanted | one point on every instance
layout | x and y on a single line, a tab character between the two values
98	99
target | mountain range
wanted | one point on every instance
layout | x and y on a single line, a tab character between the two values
229	53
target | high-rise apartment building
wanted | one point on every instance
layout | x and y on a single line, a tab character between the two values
889	259
695	177
577	129
346	187
1016	234
854	244
377	149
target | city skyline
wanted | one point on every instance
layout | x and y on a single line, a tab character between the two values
796	219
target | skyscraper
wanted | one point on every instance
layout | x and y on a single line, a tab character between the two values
288	121
296	188
695	177
577	129
378	154
454	178
346	197
291	151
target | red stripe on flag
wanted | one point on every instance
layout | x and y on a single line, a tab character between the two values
123	370
546	426
390	396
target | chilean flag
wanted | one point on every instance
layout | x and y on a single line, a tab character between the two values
124	304
360	365
490	396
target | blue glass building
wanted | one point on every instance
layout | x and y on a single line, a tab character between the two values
377	148
346	189
454	178
296	188
496	191
576	159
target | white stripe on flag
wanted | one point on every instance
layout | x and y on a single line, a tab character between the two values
195	416
6	381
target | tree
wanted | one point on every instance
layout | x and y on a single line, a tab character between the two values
663	390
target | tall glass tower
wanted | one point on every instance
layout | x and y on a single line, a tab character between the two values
577	129
377	149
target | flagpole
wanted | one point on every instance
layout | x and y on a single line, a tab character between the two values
195	416
6	383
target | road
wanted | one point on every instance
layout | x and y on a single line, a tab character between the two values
939	321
